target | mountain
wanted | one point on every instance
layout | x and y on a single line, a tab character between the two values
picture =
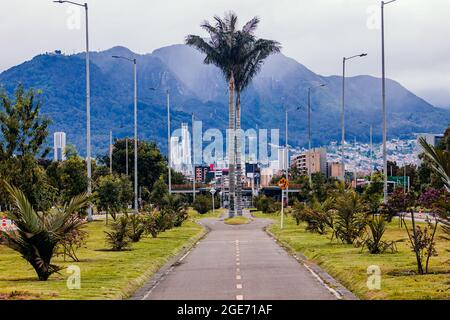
201	89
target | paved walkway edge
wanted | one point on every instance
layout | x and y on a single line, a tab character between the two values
148	286
337	289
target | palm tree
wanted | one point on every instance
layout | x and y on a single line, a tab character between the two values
38	234
440	160
240	56
251	53
220	51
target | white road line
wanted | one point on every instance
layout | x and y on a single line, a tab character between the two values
238	277
238	270
318	278
239	297
182	258
238	263
239	286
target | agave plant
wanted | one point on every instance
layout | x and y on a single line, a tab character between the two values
38	234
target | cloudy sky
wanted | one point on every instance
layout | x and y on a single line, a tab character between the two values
317	33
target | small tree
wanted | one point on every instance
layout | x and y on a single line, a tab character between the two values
421	239
23	132
113	194
159	193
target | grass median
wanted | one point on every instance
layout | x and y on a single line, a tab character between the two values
349	264
104	274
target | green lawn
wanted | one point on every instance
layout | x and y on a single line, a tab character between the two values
237	221
349	265
104	274
217	214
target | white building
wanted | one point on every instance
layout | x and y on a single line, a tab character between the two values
59	146
181	159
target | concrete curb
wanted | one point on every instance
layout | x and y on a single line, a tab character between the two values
337	289
144	290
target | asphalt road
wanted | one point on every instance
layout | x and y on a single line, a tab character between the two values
237	263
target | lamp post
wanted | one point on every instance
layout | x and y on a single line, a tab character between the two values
287	160
343	110
385	188
126	156
136	208
169	147
110	152
194	175
88	106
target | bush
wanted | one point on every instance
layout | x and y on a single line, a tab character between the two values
317	215
350	220
136	227
71	242
266	204
203	204
176	208
118	237
373	241
151	223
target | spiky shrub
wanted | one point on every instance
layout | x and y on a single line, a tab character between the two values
136	227
38	234
373	241
176	208
151	224
117	237
317	215
350	218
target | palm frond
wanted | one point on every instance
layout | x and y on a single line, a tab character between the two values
25	218
440	161
252	25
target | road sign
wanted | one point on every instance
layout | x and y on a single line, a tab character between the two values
213	191
283	184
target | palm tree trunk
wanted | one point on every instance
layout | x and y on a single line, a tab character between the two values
238	155
231	153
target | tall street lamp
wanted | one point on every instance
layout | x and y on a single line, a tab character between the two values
343	110
169	147
136	207
88	106
385	188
